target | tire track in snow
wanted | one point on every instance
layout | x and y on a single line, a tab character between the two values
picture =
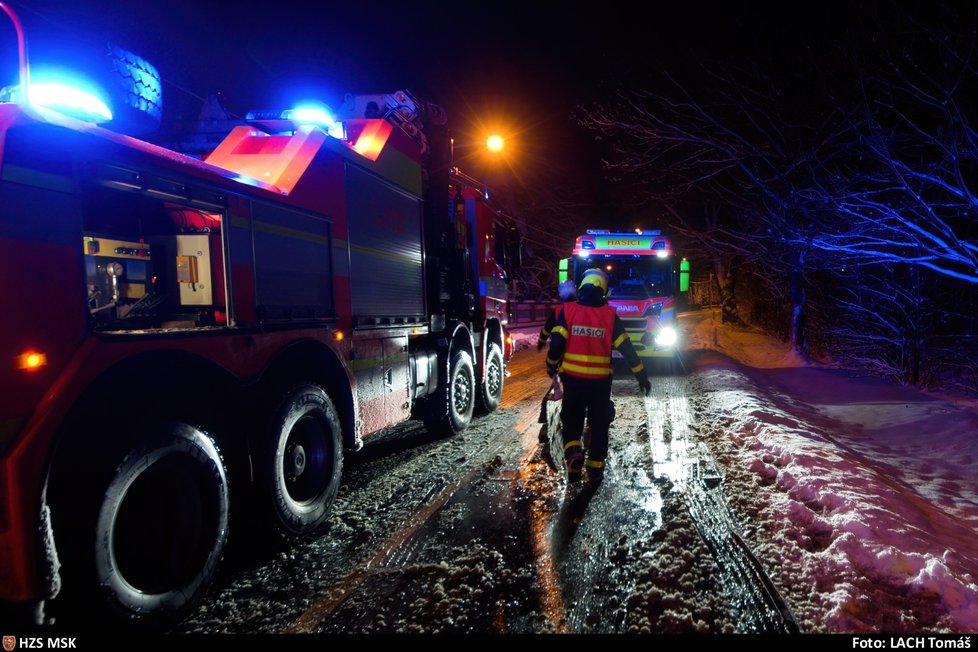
688	465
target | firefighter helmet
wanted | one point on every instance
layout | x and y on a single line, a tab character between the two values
566	291
596	277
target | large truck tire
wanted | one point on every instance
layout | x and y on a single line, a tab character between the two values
141	543
136	92
449	410
303	462
490	392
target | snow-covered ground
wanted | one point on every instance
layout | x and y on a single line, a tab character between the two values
859	496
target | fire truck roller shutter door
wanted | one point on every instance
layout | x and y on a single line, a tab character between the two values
140	544
387	285
302	461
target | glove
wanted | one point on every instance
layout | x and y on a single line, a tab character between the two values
541	344
644	385
551	370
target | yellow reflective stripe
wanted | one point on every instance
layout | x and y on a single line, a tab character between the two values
544	332
621	338
561	330
553	362
595	464
580	357
637	368
571	444
588	371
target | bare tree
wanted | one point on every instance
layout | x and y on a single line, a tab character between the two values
743	158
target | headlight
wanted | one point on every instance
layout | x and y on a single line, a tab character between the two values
666	336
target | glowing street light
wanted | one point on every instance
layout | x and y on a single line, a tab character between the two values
495	143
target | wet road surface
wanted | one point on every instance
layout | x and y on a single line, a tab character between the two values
480	533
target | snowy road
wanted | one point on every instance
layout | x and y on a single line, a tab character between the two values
478	533
856	525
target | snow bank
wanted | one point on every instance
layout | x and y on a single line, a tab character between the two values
860	498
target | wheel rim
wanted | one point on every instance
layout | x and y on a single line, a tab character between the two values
305	463
494	378
462	392
164	529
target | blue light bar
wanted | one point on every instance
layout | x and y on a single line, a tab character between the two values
319	116
71	100
68	99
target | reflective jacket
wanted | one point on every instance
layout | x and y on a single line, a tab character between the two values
588	331
587	353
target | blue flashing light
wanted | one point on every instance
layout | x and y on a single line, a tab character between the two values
70	99
319	116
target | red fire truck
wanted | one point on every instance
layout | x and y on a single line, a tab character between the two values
191	344
643	283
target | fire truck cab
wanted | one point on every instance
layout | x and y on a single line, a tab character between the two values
644	283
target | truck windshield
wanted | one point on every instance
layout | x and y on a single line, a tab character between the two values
644	277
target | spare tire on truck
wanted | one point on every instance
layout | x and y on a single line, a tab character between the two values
135	90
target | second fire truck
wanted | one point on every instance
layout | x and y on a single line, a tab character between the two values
644	283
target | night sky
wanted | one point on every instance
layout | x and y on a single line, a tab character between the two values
522	68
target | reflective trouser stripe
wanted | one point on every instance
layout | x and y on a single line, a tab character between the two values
595	464
637	368
571	444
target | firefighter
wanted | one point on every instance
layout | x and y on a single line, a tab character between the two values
567	292
583	336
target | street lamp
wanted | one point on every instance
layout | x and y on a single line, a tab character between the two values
495	143
481	159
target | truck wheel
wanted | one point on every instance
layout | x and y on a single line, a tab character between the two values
449	411
491	391
136	86
151	543
304	462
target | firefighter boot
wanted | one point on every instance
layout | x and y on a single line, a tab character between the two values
574	455
595	472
